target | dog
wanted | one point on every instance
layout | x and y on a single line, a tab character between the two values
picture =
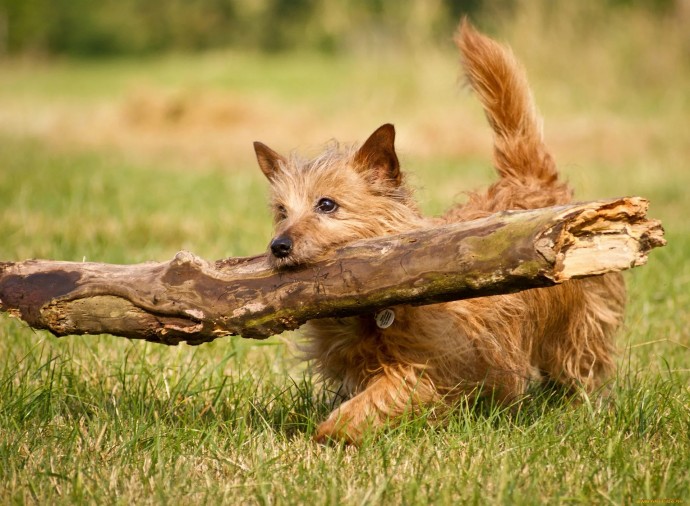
433	356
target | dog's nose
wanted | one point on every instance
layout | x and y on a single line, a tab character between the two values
281	246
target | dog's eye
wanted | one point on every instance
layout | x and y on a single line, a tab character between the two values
281	212
326	205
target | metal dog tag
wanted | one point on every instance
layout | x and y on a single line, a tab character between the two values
385	318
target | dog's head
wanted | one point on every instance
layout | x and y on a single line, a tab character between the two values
336	198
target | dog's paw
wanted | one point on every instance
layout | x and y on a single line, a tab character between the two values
325	436
329	432
339	428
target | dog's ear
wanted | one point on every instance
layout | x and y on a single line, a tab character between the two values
269	160
377	156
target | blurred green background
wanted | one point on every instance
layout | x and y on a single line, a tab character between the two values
116	27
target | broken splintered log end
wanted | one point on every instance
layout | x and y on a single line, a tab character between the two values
611	238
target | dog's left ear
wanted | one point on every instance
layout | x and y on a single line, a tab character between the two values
269	161
377	156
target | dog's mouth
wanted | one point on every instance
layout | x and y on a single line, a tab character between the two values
283	258
286	253
284	263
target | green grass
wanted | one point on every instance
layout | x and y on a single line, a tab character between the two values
87	206
101	419
245	72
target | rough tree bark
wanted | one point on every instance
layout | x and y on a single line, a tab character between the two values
190	299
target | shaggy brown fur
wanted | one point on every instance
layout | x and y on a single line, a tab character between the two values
433	355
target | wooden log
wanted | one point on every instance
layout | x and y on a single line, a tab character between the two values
192	300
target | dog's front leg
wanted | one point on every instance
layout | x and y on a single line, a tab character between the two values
385	399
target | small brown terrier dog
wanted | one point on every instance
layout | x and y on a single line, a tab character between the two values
433	355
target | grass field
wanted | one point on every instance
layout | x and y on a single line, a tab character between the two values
132	160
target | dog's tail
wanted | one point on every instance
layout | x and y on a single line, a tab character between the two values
501	84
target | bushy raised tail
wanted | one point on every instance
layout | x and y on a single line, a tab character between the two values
501	85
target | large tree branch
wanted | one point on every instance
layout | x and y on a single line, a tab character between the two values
190	299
